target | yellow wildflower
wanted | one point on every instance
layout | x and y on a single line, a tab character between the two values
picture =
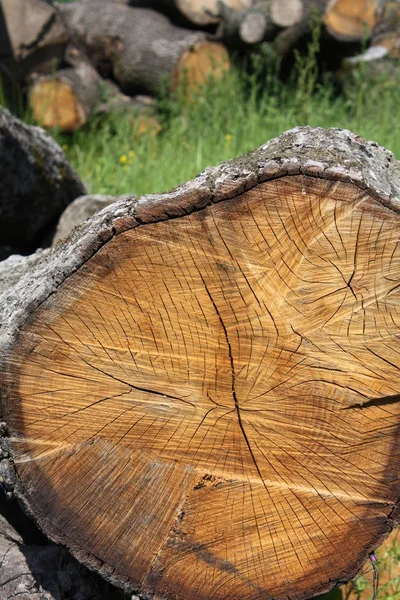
123	159
228	139
64	147
132	154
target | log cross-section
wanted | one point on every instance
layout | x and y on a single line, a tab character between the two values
201	388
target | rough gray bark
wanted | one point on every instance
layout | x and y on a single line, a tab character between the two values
313	154
32	571
141	45
37	34
36	184
78	211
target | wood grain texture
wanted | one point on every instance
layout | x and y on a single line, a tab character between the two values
208	406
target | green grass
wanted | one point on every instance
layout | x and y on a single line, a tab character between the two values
229	118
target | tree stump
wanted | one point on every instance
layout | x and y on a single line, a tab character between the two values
201	388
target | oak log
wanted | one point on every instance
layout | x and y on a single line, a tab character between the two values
201	388
144	49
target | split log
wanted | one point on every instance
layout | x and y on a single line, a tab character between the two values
37	35
142	47
36	184
351	20
201	388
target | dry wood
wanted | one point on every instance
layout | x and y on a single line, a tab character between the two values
36	184
142	47
351	20
37	35
202	393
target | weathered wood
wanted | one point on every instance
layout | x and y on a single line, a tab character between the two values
36	184
37	35
201	387
45	572
142	46
78	211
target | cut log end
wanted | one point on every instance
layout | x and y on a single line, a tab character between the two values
205	13
253	27
351	20
286	14
198	63
55	103
206	403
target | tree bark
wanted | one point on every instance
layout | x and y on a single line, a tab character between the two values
37	35
143	48
45	571
36	184
201	388
78	211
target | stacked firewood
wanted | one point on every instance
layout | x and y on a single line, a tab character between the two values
91	57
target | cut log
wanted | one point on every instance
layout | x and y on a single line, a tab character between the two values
261	21
201	388
192	12
68	98
143	48
351	20
36	184
37	35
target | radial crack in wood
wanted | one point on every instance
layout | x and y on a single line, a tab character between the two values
202	393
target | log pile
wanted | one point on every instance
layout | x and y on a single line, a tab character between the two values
200	389
90	57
